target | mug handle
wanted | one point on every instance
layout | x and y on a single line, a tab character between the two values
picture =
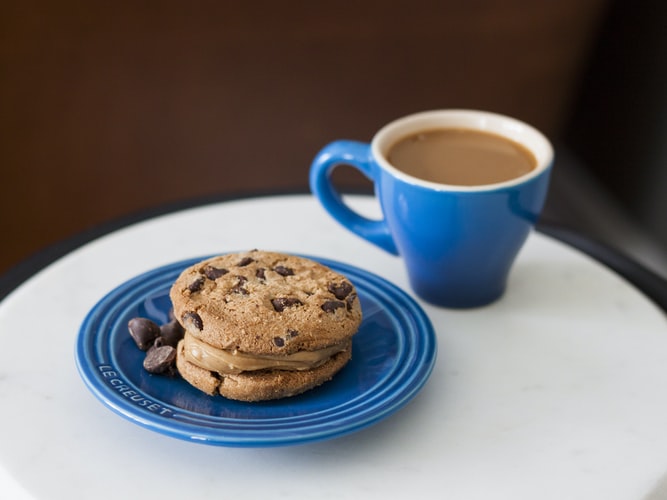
357	155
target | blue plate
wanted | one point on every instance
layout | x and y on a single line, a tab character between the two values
392	357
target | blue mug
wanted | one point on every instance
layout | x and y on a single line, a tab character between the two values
458	242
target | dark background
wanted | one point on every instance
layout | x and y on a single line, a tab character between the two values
111	108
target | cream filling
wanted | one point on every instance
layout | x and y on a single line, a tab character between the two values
234	361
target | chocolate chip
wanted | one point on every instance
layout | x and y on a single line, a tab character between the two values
245	261
292	333
331	305
143	331
281	303
284	271
194	319
196	285
279	341
160	359
171	333
340	291
239	287
260	273
213	273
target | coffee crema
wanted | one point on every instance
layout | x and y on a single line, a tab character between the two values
461	157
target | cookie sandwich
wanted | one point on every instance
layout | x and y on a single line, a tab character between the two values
263	325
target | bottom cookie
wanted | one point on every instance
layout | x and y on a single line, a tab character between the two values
261	385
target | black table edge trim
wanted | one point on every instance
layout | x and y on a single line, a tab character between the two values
651	284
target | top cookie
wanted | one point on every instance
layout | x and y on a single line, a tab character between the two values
265	303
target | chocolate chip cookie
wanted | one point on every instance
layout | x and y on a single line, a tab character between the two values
263	325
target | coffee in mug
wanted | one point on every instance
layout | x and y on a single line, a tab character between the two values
461	157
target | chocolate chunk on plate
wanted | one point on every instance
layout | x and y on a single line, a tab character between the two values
143	331
160	359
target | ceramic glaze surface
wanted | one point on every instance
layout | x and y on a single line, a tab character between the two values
393	355
458	243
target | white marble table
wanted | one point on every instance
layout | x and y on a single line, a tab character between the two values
557	391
